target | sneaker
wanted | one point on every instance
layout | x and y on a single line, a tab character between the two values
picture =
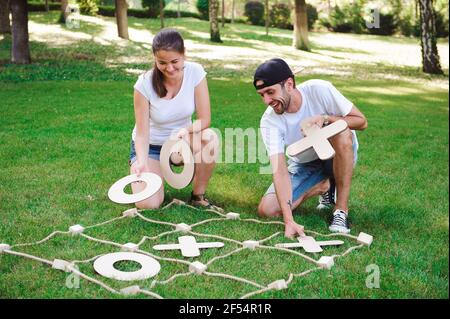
340	223
327	200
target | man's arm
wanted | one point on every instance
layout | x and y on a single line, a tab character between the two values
355	119
283	190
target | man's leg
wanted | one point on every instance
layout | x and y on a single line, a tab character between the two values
343	167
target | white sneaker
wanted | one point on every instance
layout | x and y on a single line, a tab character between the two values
339	224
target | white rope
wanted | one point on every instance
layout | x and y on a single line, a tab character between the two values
184	262
42	240
164	282
216	237
223	256
149	293
226	276
16	253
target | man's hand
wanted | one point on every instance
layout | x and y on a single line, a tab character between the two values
292	230
314	120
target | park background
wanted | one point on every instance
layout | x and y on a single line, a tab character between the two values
66	115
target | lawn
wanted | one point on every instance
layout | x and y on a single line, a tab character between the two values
66	122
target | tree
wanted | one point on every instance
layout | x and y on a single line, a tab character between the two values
267	16
122	18
20	49
214	21
161	12
223	13
5	24
430	56
233	5
64	11
301	41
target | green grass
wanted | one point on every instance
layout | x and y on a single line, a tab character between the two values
65	130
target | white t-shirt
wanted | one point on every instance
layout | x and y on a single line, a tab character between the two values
169	116
281	130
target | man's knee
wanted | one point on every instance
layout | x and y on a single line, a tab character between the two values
343	141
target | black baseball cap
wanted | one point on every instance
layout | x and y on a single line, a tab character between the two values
271	72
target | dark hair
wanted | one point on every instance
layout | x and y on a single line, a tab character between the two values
168	40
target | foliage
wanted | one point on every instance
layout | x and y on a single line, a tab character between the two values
88	7
254	11
347	18
387	25
280	16
152	6
203	8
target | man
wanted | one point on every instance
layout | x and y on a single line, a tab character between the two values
319	103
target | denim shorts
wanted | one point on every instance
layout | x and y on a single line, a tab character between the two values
304	176
153	152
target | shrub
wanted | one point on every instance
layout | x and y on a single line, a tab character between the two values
387	25
88	7
280	16
346	19
203	8
254	11
152	7
107	11
312	15
34	7
441	25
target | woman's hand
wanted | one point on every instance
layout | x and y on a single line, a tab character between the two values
138	168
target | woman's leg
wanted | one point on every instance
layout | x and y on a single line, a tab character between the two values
205	148
154	201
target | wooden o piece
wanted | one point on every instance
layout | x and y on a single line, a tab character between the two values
104	266
153	184
317	138
184	178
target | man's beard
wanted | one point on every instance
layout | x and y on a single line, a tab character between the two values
284	100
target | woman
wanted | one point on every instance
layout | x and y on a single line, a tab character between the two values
164	100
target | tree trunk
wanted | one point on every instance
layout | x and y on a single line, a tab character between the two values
46	5
430	56
214	21
178	9
223	13
122	18
161	13
301	41
64	11
233	4
20	50
267	16
5	24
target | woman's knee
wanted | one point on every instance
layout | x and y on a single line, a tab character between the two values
267	208
151	203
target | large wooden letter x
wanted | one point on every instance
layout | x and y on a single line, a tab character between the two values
310	245
189	246
317	138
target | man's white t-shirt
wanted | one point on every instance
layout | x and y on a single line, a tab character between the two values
281	130
169	116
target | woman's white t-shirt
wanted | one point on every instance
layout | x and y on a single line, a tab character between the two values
169	116
318	97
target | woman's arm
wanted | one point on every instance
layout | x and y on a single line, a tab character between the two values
202	108
141	141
